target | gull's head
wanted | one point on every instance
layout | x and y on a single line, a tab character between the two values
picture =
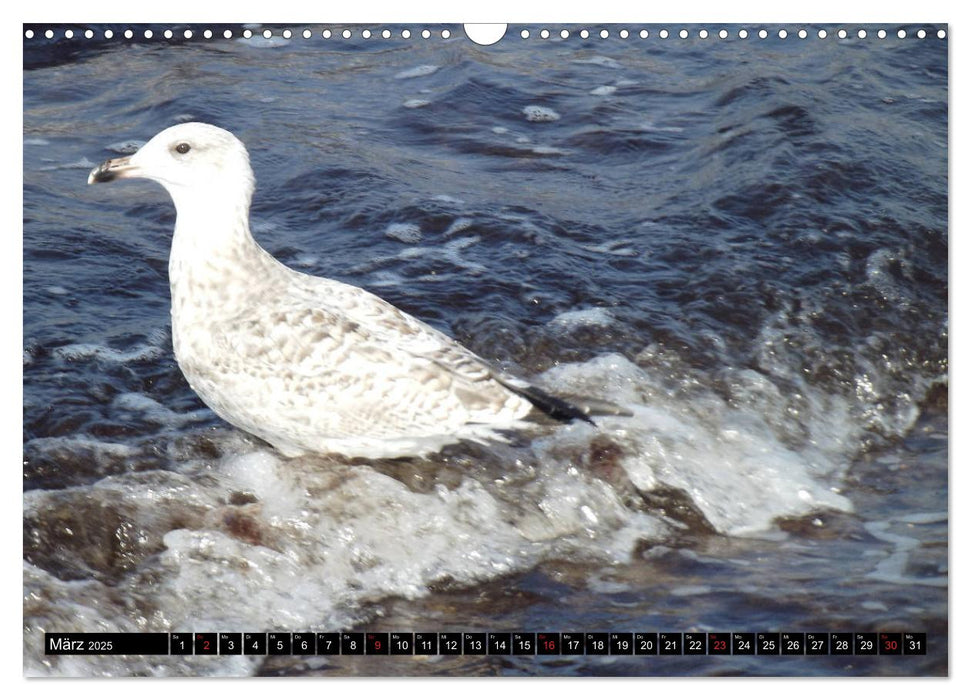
187	158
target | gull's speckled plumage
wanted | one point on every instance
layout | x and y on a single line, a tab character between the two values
306	363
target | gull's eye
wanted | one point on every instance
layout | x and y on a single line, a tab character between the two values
183	148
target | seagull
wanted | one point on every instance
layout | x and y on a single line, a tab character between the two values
308	364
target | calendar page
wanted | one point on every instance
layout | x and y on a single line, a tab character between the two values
564	349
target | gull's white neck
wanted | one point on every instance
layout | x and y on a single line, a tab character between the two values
214	257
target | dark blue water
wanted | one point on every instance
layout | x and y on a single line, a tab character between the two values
746	239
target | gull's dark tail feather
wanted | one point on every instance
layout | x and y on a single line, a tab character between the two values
578	408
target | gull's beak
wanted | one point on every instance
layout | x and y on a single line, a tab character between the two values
113	169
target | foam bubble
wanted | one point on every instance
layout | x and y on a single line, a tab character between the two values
536	113
448	199
406	233
83	351
578	318
879	275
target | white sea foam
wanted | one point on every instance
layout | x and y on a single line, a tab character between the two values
83	351
537	113
305	260
325	541
416	72
385	278
621	248
603	61
880	277
77	444
604	90
450	252
459	225
541	150
150	409
313	540
738	471
578	318
651	126
448	199
406	233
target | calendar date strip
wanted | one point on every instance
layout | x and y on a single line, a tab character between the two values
488	643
